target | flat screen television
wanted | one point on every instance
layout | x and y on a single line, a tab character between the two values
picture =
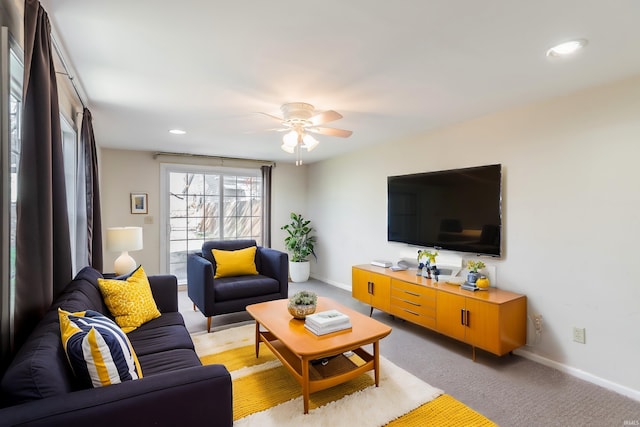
458	210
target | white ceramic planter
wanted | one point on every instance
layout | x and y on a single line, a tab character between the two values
299	271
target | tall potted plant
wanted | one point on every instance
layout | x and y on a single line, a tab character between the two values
299	243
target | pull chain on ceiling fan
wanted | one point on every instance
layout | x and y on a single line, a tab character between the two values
298	120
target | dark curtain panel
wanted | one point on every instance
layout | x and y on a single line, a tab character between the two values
94	219
43	250
266	206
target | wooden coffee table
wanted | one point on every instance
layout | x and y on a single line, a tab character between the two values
297	348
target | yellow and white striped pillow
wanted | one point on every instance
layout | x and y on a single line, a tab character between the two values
98	351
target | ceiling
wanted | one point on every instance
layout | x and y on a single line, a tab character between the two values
392	69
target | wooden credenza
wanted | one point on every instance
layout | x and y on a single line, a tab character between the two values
493	320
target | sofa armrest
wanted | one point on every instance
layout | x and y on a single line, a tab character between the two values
200	282
275	264
183	397
165	292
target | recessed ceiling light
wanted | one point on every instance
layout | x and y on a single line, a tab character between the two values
177	131
567	48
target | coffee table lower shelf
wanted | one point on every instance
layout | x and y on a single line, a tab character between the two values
316	377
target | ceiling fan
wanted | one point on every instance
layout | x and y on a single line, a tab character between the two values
300	118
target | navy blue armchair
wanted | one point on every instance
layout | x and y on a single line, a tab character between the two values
233	294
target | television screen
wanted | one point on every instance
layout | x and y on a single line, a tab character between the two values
458	210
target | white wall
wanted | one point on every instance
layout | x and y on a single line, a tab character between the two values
123	172
570	217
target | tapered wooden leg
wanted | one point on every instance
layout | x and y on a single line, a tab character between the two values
305	384
376	362
257	339
371	312
209	324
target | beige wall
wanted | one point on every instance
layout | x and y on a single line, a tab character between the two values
123	172
570	212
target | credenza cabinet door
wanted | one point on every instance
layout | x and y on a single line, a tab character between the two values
371	288
450	315
482	325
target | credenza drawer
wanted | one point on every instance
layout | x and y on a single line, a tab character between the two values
424	316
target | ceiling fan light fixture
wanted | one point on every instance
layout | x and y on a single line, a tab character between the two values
290	139
310	142
288	149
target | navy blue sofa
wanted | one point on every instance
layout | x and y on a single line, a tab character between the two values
232	294
39	387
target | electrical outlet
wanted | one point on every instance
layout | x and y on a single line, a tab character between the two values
537	323
579	335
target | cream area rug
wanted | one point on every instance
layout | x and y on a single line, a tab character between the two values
399	391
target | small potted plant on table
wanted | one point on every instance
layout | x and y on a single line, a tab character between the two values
302	304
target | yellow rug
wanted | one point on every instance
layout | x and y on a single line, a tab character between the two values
264	393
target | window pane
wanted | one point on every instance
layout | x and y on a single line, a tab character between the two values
198	212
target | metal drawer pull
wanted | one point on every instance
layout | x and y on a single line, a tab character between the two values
412	312
412	303
412	293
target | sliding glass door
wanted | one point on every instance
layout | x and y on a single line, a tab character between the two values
207	203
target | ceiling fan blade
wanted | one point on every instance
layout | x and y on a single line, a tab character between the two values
331	132
325	117
280	119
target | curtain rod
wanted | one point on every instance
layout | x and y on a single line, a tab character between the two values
221	158
71	78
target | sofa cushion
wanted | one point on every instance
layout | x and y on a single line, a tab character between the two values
130	301
40	368
240	262
82	293
99	352
154	340
170	360
231	288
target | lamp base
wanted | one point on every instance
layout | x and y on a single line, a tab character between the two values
124	264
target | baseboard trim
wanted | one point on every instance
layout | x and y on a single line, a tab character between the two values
578	373
332	283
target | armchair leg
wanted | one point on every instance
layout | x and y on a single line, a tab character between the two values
194	306
208	324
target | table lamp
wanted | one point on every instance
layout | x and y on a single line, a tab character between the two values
124	239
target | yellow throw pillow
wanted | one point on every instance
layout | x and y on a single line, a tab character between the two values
130	301
235	263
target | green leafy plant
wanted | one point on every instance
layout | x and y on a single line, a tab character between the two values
431	255
304	298
474	266
299	242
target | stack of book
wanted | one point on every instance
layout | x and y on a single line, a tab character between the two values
326	322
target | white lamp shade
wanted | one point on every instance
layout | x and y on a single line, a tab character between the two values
121	239
124	239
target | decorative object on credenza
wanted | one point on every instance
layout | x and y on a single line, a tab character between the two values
124	240
300	244
302	304
483	282
427	263
139	203
473	267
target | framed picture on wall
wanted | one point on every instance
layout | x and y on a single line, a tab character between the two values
139	203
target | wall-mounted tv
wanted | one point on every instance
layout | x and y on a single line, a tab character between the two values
458	210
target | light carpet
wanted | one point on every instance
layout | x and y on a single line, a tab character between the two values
265	394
